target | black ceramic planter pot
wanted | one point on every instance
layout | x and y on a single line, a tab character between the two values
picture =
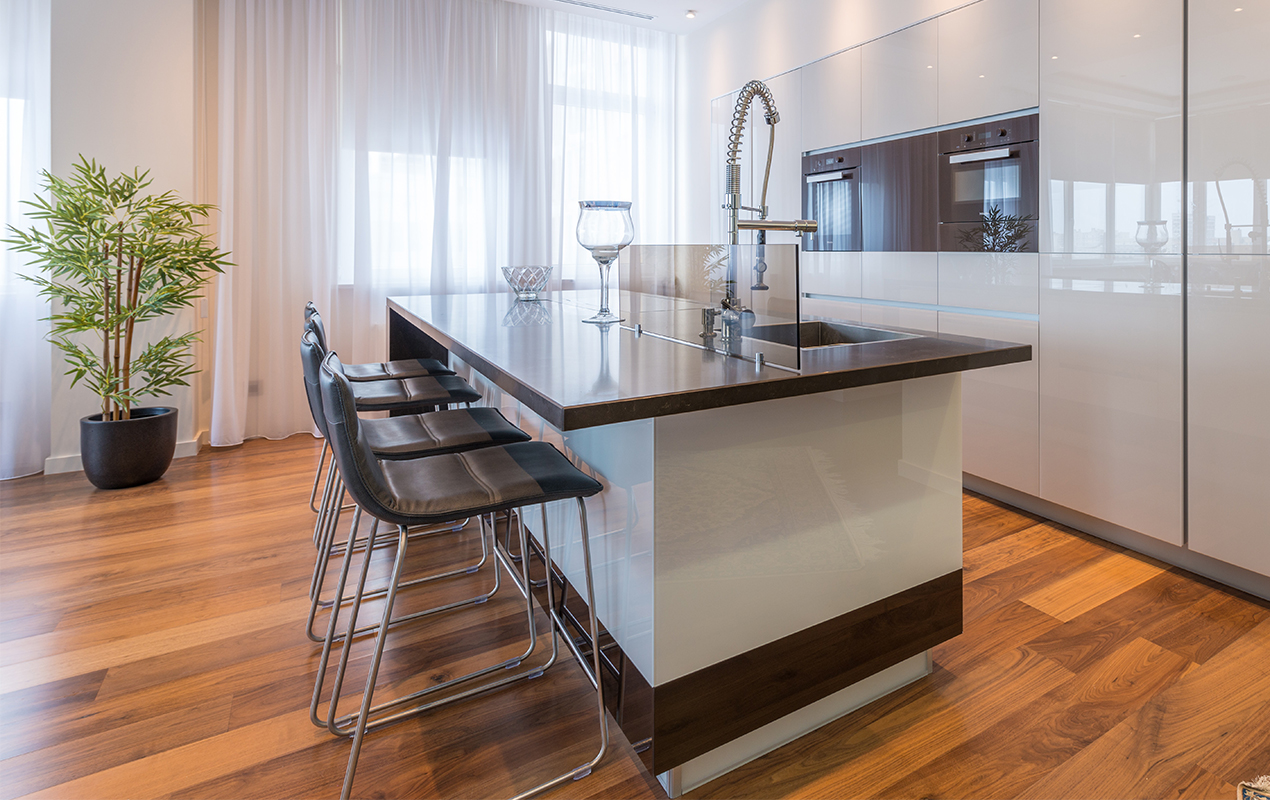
128	452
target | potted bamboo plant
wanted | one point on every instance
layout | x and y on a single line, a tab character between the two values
112	257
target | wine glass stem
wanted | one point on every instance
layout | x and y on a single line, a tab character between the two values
605	264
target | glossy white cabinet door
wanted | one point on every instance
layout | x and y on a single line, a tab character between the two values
830	273
1229	411
1000	406
987	59
994	281
840	310
913	319
831	101
1228	343
899	81
1111	125
1111	392
911	277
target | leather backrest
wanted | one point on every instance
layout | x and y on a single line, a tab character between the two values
311	355
313	322
358	466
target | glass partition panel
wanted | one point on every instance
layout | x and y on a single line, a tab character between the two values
738	299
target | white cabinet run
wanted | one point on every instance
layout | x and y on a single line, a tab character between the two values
1000	405
987	59
831	99
899	81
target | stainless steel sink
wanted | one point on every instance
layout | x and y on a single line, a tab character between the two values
819	333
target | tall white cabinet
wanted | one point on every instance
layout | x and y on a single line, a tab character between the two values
1111	311
1228	297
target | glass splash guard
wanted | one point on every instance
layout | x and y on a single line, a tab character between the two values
741	300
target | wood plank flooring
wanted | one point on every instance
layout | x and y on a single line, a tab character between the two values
153	647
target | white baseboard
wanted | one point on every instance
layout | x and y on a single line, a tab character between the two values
72	463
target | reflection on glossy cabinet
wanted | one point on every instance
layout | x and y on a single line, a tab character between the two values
1229	411
1111	131
913	319
1111	394
835	274
906	277
994	281
1000	406
899	81
831	101
987	59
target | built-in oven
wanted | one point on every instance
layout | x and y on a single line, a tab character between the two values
831	196
989	196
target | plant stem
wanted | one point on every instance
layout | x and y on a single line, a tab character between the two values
120	408
134	287
105	333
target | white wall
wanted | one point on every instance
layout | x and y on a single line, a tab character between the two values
759	40
123	93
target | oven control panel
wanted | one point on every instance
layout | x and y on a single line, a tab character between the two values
990	134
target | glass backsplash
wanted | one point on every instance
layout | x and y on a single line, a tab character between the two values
679	291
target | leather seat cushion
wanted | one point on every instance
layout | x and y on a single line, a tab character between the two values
406	368
439	432
444	487
418	393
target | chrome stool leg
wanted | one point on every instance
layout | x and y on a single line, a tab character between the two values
593	673
326	445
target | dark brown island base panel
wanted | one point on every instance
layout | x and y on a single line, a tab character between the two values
827	566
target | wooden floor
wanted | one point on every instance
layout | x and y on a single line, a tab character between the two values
153	647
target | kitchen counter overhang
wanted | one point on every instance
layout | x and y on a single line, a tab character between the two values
572	376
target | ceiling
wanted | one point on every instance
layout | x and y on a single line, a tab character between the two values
667	15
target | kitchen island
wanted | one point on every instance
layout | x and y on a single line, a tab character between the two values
773	548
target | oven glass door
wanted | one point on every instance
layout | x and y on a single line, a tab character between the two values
833	200
974	183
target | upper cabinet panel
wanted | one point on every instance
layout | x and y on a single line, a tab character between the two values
831	101
987	59
900	81
1229	126
1111	126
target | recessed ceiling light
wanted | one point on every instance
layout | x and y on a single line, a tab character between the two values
691	14
1053	58
1239	9
1137	36
930	66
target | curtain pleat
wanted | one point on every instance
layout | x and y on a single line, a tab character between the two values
371	148
25	151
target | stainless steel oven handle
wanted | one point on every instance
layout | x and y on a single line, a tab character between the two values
982	155
830	176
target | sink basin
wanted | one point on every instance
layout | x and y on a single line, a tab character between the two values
819	333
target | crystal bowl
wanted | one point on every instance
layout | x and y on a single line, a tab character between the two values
527	282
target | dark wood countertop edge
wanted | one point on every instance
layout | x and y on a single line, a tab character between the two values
781	386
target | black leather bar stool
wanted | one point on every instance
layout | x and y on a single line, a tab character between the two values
375	371
430	490
404	437
413	395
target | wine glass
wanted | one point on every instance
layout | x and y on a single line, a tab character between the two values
604	228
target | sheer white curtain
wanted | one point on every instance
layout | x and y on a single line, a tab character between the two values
25	357
278	104
440	140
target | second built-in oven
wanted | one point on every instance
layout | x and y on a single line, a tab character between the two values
831	196
988	186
